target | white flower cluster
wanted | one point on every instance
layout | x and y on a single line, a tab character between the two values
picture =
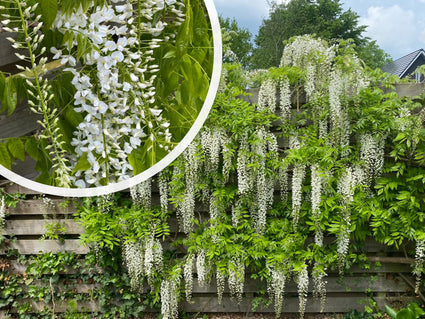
163	191
245	176
201	268
215	209
188	276
236	278
302	290
141	193
142	258
346	186
105	203
118	98
285	99
39	90
283	183
276	287
214	143
221	281
186	209
267	96
316	194
314	56
134	260
419	262
237	209
319	286
153	256
2	211
169	298
372	154
298	175
264	182
403	120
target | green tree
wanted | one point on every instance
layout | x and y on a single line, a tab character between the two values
372	54
236	40
324	18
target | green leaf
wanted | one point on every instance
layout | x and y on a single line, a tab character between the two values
2	83
10	97
16	148
31	147
137	159
5	158
49	10
170	54
390	311
82	164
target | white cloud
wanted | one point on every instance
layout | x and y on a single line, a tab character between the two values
394	28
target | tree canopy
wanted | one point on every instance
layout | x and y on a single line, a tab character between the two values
236	41
324	18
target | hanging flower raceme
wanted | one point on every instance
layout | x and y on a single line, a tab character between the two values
188	276
115	89
186	208
276	287
141	193
267	97
316	193
319	285
302	290
419	262
372	154
201	268
170	297
134	261
2	210
236	278
285	99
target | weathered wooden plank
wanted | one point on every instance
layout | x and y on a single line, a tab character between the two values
357	284
209	304
31	247
18	268
37	207
7	53
39	227
20	123
13	188
60	306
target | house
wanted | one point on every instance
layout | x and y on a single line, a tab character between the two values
406	66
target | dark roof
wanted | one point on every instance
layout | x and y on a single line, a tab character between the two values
400	66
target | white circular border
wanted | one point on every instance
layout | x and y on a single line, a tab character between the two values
184	143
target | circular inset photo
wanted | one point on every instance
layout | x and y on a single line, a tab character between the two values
97	96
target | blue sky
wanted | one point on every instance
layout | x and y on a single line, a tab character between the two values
397	25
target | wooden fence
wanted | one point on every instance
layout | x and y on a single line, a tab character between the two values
387	277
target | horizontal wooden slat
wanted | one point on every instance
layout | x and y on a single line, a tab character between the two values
358	284
39	227
30	247
18	268
37	207
291	305
7	53
20	123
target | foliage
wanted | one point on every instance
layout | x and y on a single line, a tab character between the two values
325	19
412	311
129	104
237	44
52	278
